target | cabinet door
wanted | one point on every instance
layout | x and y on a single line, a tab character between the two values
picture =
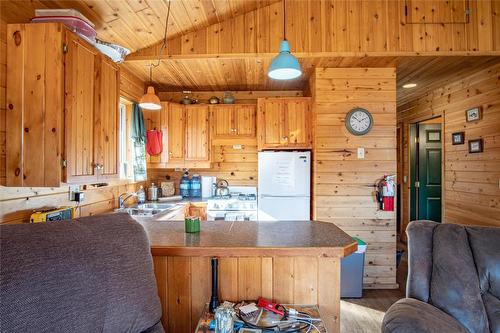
80	104
223	121
106	120
245	116
297	124
176	134
197	133
270	123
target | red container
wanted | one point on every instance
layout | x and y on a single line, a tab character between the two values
388	204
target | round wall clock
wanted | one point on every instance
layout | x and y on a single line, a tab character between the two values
359	121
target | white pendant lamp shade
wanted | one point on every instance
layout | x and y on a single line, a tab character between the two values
284	66
150	101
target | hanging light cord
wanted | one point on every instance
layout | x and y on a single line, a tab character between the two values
163	46
284	19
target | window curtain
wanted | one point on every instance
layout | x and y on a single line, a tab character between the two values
139	141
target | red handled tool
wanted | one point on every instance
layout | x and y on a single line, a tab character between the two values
268	305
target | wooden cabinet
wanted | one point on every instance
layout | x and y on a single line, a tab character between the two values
230	121
186	136
284	123
62	98
34	104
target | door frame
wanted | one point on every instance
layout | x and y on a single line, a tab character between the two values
412	162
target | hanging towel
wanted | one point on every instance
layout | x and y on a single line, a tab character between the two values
138	128
154	144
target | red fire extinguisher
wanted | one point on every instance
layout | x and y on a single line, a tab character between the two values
386	192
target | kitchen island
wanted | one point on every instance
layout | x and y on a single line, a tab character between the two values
287	261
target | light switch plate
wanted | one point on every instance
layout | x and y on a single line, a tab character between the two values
237	147
361	153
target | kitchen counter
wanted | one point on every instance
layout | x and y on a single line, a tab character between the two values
248	238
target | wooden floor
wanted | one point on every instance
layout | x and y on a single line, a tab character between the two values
365	315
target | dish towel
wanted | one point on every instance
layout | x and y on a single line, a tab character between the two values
154	144
138	128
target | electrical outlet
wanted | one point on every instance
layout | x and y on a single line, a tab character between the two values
237	147
361	153
72	190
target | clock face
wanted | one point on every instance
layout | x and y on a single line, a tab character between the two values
359	121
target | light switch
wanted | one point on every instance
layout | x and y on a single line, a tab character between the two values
361	153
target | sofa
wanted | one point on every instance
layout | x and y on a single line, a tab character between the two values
92	274
453	281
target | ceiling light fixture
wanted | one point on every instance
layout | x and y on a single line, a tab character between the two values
284	66
151	101
409	85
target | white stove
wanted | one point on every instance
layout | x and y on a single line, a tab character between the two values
239	205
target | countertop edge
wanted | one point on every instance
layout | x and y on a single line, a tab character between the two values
184	251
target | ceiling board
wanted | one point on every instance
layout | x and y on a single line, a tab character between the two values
250	73
137	24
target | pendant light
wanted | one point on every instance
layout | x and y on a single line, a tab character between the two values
151	101
284	66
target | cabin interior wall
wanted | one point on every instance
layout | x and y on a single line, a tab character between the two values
471	189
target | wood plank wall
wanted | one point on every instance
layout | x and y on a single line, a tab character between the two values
184	285
471	193
3	79
437	27
241	97
343	185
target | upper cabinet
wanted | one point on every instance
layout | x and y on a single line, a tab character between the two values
62	102
233	120
185	136
284	123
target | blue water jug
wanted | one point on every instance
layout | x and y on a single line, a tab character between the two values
195	186
184	186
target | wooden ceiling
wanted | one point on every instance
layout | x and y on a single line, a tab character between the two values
204	74
137	23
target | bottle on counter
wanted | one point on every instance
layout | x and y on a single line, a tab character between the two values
195	186
185	185
153	192
141	195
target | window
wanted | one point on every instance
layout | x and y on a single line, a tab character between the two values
124	143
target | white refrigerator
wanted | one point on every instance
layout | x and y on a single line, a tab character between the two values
284	191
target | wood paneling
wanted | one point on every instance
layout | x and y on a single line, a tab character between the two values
470	187
241	97
17	203
184	285
136	24
131	87
3	84
343	185
378	26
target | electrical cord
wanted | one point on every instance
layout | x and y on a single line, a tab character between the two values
296	316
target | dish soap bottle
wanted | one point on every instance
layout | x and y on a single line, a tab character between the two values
141	195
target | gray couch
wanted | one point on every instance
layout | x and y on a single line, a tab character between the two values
93	274
453	281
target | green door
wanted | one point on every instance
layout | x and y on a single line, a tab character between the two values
429	172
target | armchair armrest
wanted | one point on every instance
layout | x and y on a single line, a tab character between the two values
413	316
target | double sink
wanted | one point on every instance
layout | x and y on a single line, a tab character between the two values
148	209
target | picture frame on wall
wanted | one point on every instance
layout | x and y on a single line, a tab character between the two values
476	146
458	138
473	114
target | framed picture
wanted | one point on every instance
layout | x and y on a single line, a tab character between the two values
458	138
473	114
476	146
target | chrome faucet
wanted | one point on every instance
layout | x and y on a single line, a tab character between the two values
121	200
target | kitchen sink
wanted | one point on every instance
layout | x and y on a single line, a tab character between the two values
146	209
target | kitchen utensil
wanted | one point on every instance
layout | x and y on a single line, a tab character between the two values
153	192
222	188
